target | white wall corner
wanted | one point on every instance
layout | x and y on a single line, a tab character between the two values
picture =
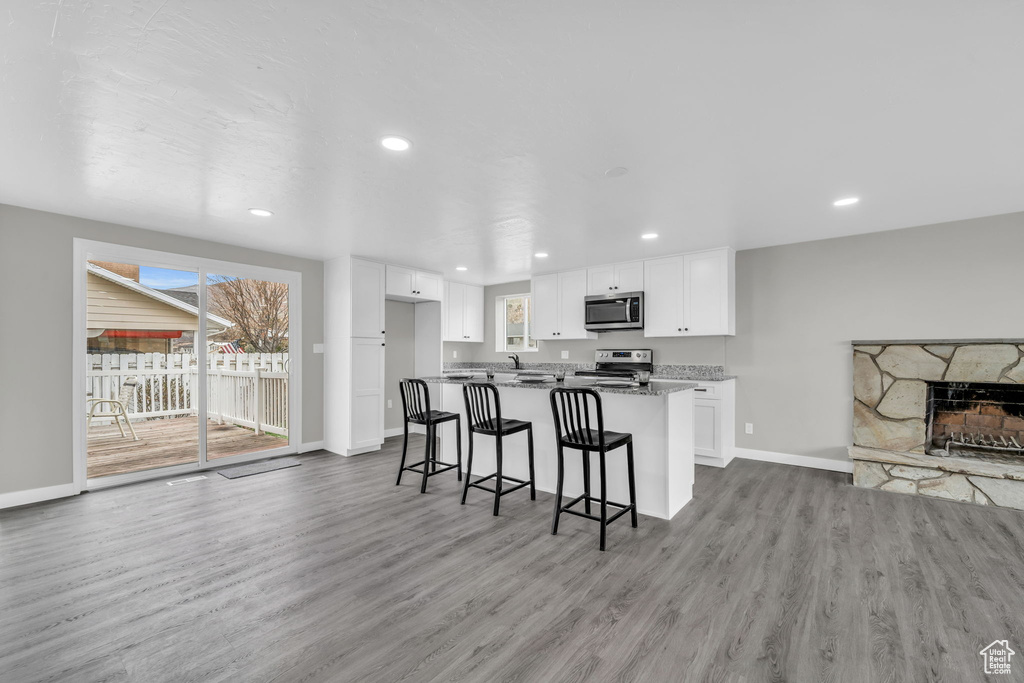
16	498
311	446
798	460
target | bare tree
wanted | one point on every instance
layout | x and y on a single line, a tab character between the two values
259	310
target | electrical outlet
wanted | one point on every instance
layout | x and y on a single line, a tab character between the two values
389	403
318	348
750	428
565	355
455	354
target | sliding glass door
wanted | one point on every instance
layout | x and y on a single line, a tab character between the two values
247	376
141	367
182	361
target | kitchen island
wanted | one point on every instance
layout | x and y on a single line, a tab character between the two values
659	415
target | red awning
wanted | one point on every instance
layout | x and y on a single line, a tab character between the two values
143	334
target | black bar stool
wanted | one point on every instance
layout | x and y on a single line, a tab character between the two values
483	409
571	410
416	406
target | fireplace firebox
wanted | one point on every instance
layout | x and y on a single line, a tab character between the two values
976	420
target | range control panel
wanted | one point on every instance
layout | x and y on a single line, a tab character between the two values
624	356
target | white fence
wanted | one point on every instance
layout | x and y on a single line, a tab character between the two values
247	389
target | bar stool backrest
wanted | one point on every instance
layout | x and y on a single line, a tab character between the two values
578	416
483	405
415	399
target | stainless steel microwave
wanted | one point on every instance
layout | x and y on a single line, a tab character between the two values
620	311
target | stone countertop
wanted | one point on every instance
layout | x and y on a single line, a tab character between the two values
684	378
673	371
655	388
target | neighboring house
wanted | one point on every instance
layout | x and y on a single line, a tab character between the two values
125	316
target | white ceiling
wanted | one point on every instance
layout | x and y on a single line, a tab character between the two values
740	122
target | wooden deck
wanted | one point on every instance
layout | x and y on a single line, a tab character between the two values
163	443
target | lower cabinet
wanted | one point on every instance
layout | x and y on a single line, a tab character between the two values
714	422
367	393
707	428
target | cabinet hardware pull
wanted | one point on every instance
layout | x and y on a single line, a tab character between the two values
700	390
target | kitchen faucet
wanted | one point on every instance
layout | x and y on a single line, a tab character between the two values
515	357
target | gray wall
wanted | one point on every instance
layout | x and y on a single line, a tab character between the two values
400	356
708	350
799	306
35	323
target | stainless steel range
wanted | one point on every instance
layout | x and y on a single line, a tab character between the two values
632	364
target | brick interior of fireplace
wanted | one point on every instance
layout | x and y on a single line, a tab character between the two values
974	408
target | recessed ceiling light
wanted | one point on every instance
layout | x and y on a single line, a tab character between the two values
461	268
541	254
261	212
846	201
395	143
649	236
616	172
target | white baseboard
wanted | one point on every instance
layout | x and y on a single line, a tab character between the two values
397	431
311	446
15	498
798	460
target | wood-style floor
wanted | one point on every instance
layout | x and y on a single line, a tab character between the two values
329	572
166	442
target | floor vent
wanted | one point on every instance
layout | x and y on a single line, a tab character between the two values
186	481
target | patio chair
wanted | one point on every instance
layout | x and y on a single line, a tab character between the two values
118	407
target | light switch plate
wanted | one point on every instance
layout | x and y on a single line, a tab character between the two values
565	355
455	354
318	348
389	404
750	428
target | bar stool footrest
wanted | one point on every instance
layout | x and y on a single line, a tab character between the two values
623	508
440	468
519	483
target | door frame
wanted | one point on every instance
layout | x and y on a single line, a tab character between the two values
85	250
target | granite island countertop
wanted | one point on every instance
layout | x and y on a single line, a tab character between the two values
672	371
655	388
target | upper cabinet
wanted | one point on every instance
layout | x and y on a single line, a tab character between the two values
406	284
464	312
619	277
690	295
367	299
557	306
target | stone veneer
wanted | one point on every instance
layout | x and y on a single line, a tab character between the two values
889	419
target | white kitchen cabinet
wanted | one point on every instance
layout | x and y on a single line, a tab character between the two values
690	295
544	305
367	282
707	427
709	292
407	284
557	306
367	424
464	312
714	422
663	297
617	277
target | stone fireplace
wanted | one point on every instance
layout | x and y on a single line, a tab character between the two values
940	418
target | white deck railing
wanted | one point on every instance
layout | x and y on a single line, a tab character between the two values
247	389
